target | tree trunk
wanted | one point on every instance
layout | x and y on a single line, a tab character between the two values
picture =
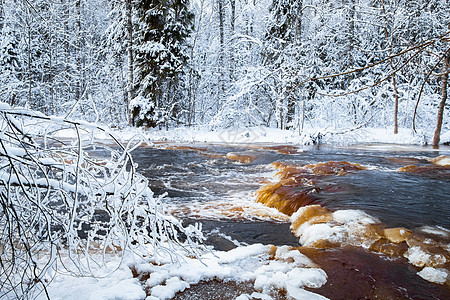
221	55
2	19
67	34
396	103
440	114
351	33
231	53
389	36
291	100
233	14
78	52
29	63
130	83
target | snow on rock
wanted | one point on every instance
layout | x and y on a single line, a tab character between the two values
171	287
315	228
442	161
439	276
352	216
268	267
436	230
418	257
298	293
316	232
344	227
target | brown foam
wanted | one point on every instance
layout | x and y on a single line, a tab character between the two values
386	247
435	171
334	168
212	155
442	160
239	211
243	157
186	148
283	149
405	160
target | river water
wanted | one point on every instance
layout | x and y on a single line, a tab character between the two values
217	184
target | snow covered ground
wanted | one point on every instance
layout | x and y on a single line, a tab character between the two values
266	267
277	136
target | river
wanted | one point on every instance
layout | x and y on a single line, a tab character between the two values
360	205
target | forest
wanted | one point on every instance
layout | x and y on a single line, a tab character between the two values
288	64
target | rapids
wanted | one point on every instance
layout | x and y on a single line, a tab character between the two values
373	215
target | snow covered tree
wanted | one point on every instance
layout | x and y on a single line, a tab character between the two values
161	56
283	56
11	64
62	207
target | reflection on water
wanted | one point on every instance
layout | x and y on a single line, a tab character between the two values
394	202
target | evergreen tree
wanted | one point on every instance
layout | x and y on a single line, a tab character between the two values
283	45
12	60
160	55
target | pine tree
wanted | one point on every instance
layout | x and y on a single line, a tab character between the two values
161	55
283	42
10	65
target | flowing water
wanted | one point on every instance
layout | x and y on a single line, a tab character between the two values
376	227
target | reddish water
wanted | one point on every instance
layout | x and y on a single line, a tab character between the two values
400	189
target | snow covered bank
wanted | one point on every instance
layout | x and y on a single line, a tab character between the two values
267	268
111	283
266	135
259	134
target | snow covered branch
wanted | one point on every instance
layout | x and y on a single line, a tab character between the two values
69	200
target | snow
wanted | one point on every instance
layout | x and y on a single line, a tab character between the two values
273	135
287	270
418	257
297	293
356	228
171	287
284	268
379	138
252	263
118	284
346	227
438	276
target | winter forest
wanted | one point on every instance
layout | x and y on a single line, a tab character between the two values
310	67
285	64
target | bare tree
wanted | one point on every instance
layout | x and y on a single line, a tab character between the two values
440	113
61	205
221	93
130	84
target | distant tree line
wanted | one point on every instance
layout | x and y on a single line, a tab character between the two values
290	64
